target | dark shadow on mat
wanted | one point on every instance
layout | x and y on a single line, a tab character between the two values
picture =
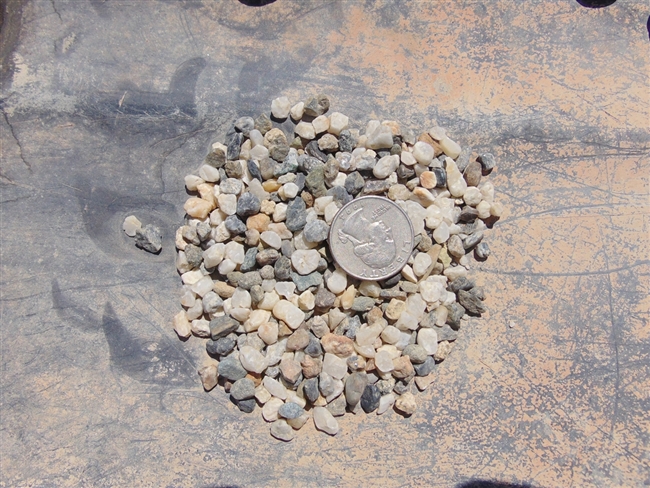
596	3
256	3
491	484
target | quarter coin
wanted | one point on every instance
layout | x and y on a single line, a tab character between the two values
371	238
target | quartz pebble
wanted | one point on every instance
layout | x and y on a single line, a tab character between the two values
290	330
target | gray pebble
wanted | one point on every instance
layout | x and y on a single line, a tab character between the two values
317	105
401	387
352	326
231	186
354	386
354	183
272	371
267	168
280	429
245	125
471	303
231	369
416	352
347	142
211	302
367	164
396	149
267	272
233	169
263	124
279	151
220	347
234	225
247	406
296	215
316	231
267	256
254	170
482	251
462	161
456	312
194	255
314	151
477	291
472	240
340	195
250	279
149	238
249	260
233	277
247	205
234	145
242	389
307	281
315	182
257	294
441	177
487	162
331	170
461	283
446	333
222	326
426	367
376	187
203	230
324	298
385	386
282	268
286	248
363	304
370	398
289	165
300	181
307	163
405	172
290	410
314	348
467	214
310	389
322	265
337	406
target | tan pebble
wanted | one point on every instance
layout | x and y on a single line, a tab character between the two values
267	207
209	374
428	179
395	309
375	315
271	185
422	382
444	348
308	198
341	346
252	237
423	196
256	378
259	222
207	193
347	298
402	368
311	367
394	127
406	403
181	244
197	208
224	290
182	325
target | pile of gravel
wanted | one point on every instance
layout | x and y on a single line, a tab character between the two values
287	330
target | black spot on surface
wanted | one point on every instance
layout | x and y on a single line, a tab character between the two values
596	3
179	99
491	484
153	362
256	3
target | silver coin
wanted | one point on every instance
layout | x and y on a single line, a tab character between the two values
371	238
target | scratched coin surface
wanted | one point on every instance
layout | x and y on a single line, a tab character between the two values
371	238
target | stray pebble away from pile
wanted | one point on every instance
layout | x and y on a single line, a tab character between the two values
288	333
148	237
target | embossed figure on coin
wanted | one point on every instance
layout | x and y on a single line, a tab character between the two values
373	241
371	238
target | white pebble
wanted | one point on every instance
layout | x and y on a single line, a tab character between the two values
390	334
203	286
256	137
324	421
280	107
297	111
305	130
240	298
334	366
421	263
441	234
423	153
428	339
321	124
280	212
305	261
235	252
270	409
288	313
385	403
285	288
472	196
385	166
131	224
271	239
338	281
289	191
252	360
338	123
259	152
209	173
330	212
213	255
384	361
227	203
226	266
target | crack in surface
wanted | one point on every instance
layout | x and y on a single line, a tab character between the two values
20	146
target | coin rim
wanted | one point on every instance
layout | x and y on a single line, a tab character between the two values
370	197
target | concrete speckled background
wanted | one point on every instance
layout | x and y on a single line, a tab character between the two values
550	388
